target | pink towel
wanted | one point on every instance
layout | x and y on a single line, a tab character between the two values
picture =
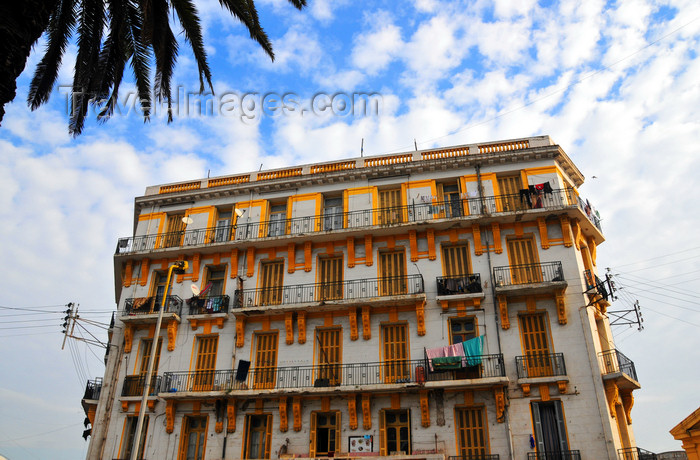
454	350
435	353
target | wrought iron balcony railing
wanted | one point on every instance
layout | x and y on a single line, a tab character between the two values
544	272
93	389
540	365
321	292
460	284
474	457
377	217
377	373
133	385
636	453
613	361
208	304
151	305
554	455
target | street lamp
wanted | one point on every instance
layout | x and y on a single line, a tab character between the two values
178	267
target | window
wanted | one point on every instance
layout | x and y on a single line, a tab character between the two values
146	347
455	259
216	276
535	339
325	433
392	272
451	200
174	231
328	355
472	437
130	433
222	232
462	329
194	435
271	282
265	359
390	206
257	432
206	362
278	220
395	348
159	281
550	428
330	271
394	431
524	266
510	199
333	213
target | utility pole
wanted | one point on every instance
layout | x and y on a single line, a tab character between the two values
68	320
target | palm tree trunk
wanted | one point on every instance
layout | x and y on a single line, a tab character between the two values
22	23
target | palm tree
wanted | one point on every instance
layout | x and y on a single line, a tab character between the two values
110	35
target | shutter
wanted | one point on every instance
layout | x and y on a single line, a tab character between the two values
561	426
246	433
509	187
537	353
268	435
382	433
271	288
539	436
337	432
456	260
523	261
392	272
331	278
312	436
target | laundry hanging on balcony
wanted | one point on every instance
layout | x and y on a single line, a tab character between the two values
457	356
473	349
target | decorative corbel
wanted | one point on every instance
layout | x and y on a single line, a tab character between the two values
194	323
366	327
291	257
366	414
307	256
476	232
231	416
219	426
234	263
352	316
577	234
151	404
500	399
91	413
496	230
562	386
289	326
566	231
195	266
250	259
592	249
128	270
128	337
350	243
301	326
445	304
296	409
424	409
420	317
125	406
240	331
526	389
431	244
368	250
352	411
413	244
612	393
283	414
627	403
145	264
561	306
169	416
544	238
503	310
544	392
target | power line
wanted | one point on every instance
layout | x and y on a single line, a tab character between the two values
655	258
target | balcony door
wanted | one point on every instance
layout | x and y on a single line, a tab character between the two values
524	266
534	334
451	199
223	227
206	362
174	231
257	432
332	213
390	206
392	272
147	347
510	199
194	436
328	355
330	271
265	360
271	282
324	433
278	220
550	429
472	432
395	348
129	434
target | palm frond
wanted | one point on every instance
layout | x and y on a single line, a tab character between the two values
137	50
165	49
189	20
59	31
298	4
245	11
112	61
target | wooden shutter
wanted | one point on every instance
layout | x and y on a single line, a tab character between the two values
395	344
331	277
329	355
265	360
206	362
523	261
471	431
392	267
382	433
271	284
174	230
456	260
509	187
147	345
390	204
312	436
268	435
534	334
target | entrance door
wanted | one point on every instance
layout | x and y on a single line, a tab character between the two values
550	430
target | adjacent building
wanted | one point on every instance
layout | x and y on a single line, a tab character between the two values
434	304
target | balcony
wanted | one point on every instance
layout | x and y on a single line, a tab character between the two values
618	367
133	385
464	208
459	285
384	289
540	365
93	389
529	278
208	305
636	453
561	455
145	309
331	375
474	457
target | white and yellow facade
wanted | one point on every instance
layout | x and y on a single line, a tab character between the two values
324	288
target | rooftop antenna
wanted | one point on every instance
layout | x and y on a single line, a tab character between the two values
415	144
362	147
260	167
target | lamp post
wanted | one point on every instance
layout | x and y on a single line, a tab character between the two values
179	267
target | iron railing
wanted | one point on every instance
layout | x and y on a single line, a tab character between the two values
636	453
595	285
93	389
150	305
353	374
543	272
555	455
474	457
208	304
414	212
133	385
461	284
540	365
612	361
321	292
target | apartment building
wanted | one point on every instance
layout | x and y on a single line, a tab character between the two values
434	304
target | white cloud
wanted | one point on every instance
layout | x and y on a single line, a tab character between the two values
375	50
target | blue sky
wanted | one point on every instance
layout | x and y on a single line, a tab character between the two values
614	83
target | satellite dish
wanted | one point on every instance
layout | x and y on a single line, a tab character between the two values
195	289
239	212
187	220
